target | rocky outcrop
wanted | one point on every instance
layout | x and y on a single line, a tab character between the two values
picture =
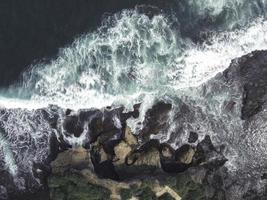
249	72
108	156
94	148
156	119
239	95
193	137
83	183
123	168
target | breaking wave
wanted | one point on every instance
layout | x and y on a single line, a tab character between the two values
131	58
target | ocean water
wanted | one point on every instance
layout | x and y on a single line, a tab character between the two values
133	54
131	58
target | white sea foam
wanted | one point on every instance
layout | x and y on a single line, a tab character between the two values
134	57
202	62
130	59
8	156
24	139
216	7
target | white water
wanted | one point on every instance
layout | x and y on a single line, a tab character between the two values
136	60
216	7
133	59
24	140
8	156
132	55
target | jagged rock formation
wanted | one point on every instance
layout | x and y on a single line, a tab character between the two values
249	73
95	148
243	86
240	93
146	176
113	151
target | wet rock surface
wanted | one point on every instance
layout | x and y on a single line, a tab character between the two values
250	73
243	88
192	137
116	154
96	149
111	152
156	119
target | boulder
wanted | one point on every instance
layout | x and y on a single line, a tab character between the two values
249	73
156	120
207	155
73	126
177	161
193	137
71	159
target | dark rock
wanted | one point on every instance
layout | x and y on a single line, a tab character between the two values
41	171
134	113
180	161
115	153
170	166
68	111
166	196
206	144
96	126
73	126
106	125
193	137
264	176
207	155
106	169
137	162
54	148
3	193
230	105
63	145
156	119
148	145
109	146
106	129
184	114
250	73
166	151
145	148
253	194
141	151
183	152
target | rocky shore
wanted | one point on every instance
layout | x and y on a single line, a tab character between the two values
94	154
149	171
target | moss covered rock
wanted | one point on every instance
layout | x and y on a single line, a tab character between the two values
75	187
